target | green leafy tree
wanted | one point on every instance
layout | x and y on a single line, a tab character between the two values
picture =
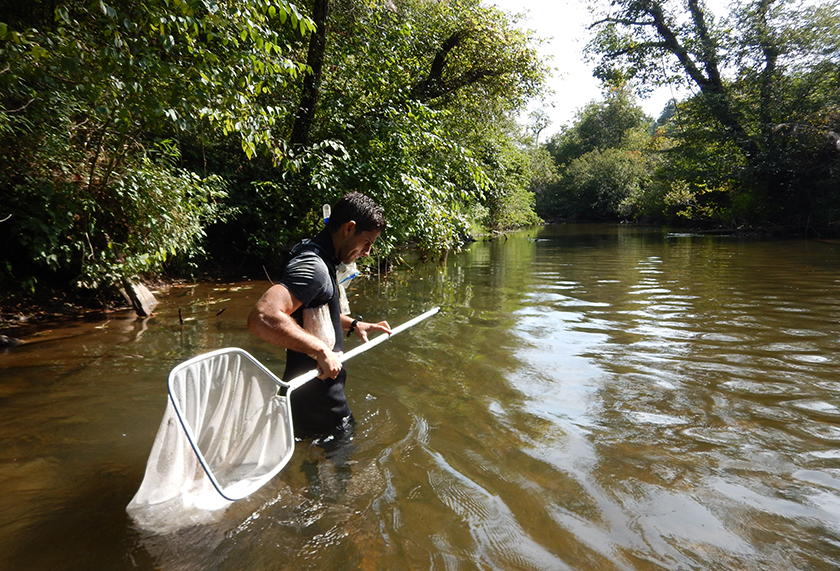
601	184
538	121
602	160
405	106
752	117
148	127
94	99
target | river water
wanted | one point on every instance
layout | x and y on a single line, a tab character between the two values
589	398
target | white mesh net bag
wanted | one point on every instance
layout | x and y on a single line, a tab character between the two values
226	432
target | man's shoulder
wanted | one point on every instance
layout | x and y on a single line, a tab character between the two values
306	258
307	277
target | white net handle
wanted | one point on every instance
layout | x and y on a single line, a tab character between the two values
306	377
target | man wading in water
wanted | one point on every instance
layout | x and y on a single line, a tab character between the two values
302	314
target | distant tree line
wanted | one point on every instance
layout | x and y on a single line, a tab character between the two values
756	145
142	138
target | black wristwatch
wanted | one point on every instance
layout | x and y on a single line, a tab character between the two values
353	325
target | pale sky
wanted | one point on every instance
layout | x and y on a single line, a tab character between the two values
562	23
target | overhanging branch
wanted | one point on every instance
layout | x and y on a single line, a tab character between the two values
637	48
435	85
622	21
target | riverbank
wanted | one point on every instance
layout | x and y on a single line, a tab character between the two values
22	315
25	318
24	312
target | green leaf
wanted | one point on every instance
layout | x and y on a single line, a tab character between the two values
61	12
107	10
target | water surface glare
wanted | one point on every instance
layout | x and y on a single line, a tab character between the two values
590	398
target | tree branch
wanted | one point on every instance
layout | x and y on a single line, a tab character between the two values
434	85
623	21
673	45
312	81
709	51
636	48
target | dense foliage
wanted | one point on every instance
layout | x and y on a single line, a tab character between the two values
136	136
413	105
603	163
757	143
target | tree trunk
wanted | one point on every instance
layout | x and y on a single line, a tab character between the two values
312	80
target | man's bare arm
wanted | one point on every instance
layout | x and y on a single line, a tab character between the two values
271	320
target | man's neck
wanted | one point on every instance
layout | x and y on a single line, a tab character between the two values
327	240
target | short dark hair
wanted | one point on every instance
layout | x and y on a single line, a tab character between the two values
361	209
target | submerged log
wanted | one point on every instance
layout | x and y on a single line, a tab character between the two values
140	298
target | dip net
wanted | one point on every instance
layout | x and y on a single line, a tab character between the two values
225	432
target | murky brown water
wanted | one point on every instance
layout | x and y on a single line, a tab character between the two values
590	398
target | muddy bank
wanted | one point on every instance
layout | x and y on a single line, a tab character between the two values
21	318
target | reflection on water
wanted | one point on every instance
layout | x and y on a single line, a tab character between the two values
590	398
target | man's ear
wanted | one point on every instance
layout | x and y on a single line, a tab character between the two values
349	228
